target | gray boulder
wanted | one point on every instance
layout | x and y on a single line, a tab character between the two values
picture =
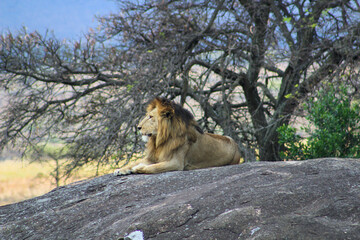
314	199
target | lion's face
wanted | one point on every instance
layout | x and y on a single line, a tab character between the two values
148	126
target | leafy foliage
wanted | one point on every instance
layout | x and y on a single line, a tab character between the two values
334	129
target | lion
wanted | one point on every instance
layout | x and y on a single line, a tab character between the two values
176	142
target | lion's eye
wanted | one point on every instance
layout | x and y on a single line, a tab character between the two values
150	117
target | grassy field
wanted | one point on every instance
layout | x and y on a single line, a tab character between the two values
21	180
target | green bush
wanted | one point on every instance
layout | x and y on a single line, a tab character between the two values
333	130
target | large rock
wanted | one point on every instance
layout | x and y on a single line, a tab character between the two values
314	199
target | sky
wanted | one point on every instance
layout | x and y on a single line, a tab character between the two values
68	19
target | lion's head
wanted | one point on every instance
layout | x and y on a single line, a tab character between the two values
164	120
148	126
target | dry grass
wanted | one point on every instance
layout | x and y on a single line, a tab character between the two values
20	180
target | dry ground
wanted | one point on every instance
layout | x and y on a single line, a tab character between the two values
20	180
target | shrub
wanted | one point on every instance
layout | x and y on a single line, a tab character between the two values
333	130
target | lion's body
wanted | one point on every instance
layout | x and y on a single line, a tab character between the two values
211	150
175	142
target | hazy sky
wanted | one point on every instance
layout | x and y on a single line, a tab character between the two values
67	18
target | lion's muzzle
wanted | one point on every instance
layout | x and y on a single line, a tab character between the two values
145	138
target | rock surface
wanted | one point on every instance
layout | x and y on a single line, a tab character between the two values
314	199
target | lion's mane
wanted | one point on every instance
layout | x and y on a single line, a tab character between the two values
174	125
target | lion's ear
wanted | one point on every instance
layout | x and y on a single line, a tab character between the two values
167	112
165	107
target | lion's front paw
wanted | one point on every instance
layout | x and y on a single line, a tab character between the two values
119	172
140	168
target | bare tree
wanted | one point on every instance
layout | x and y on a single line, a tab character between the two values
245	64
72	92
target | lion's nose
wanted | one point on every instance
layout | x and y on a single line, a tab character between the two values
139	128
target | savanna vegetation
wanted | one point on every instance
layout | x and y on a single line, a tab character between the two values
244	68
332	129
23	179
